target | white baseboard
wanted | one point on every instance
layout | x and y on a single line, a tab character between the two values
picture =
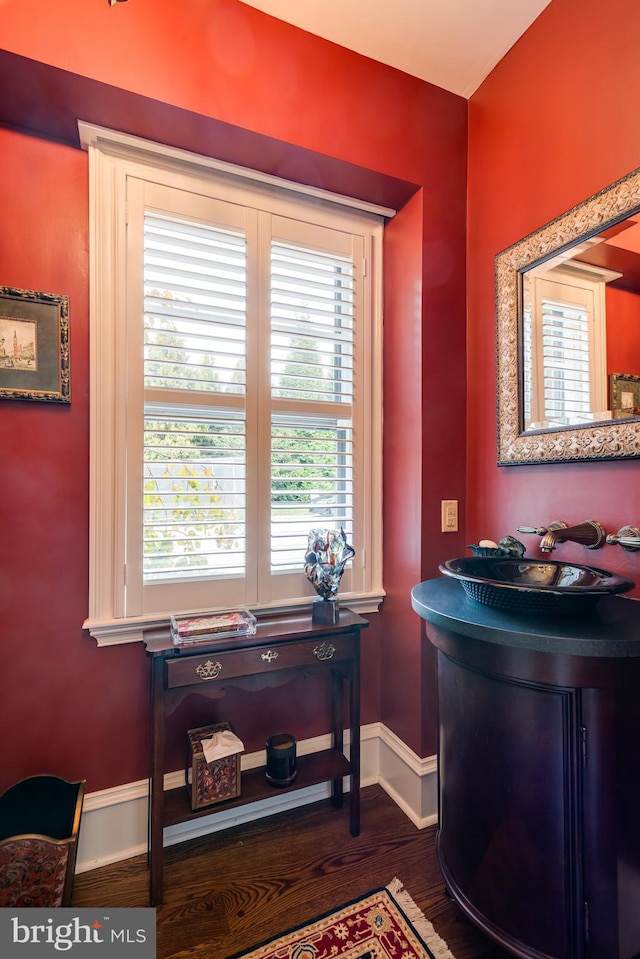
114	821
410	781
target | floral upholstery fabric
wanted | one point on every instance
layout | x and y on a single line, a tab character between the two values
32	872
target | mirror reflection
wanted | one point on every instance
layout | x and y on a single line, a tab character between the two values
568	334
580	331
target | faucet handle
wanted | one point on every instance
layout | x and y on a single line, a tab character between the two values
542	530
628	537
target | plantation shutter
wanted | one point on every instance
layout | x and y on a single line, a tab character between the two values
312	390
187	509
562	348
566	349
236	386
246	435
527	366
194	342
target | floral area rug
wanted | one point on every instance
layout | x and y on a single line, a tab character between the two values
385	924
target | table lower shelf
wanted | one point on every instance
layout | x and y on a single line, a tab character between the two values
319	767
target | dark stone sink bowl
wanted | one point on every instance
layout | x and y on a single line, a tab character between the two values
538	586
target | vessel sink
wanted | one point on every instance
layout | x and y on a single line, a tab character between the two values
541	586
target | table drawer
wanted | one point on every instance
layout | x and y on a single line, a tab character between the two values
229	664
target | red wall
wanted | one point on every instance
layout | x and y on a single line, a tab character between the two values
623	323
221	78
552	125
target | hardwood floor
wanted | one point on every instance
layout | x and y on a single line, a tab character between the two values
230	891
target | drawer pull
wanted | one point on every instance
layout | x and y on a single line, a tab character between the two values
209	670
269	656
324	651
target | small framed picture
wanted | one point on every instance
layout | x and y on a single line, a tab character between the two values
34	346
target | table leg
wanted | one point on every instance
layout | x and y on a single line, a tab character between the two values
354	751
156	798
337	729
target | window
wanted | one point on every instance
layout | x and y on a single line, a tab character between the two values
236	388
564	354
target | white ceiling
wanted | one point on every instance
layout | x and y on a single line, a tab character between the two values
452	43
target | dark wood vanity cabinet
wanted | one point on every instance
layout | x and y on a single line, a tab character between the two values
539	774
509	806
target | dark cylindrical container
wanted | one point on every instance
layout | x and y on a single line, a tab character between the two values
281	759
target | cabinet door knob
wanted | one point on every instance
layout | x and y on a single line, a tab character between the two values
269	656
324	651
208	670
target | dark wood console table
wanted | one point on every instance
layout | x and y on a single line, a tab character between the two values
287	645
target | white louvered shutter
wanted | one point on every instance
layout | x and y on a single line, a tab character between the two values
563	350
566	351
248	401
194	455
312	395
236	386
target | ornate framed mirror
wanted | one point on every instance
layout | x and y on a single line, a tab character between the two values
568	334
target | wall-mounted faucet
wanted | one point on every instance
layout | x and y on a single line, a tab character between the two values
590	534
628	537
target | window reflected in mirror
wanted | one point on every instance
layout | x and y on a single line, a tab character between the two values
564	362
580	324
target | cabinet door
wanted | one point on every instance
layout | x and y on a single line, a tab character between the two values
611	786
508	816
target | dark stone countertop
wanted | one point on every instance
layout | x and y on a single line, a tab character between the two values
610	631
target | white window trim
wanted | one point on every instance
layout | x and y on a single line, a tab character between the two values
112	157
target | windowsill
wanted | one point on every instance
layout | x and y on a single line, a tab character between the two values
118	632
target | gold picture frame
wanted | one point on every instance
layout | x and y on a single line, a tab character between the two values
34	346
624	394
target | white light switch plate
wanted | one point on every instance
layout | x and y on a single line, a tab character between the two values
449	515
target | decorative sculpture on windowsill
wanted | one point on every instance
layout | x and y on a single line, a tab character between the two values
327	555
